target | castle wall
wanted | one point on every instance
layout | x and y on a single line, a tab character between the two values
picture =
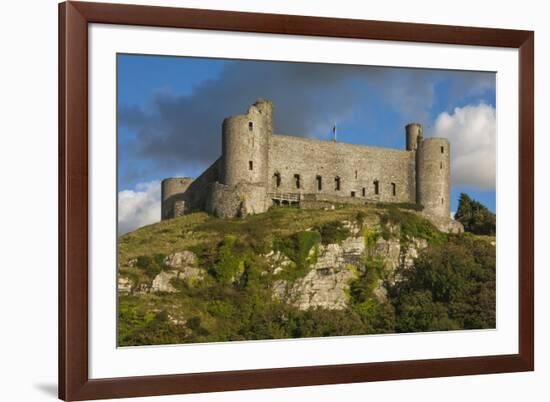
358	167
434	176
182	195
240	200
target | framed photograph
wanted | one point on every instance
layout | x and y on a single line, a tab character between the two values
259	200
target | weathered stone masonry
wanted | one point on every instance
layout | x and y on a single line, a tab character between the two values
259	168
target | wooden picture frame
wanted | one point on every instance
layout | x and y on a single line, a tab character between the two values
74	381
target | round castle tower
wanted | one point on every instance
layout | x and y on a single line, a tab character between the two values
245	145
432	170
172	197
242	184
433	176
413	135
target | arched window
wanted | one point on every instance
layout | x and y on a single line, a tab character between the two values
277	177
297	180
337	183
393	192
319	181
376	187
250	126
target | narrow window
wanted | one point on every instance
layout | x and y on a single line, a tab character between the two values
393	189
297	180
353	193
442	200
319	180
337	183
440	165
250	126
442	150
376	187
364	192
250	165
277	179
356	174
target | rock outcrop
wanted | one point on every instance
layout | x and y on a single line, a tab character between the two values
124	285
181	259
320	288
163	281
180	265
326	284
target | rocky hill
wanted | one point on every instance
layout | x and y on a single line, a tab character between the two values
294	273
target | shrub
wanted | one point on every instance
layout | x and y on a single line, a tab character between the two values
370	237
297	248
152	265
228	264
360	217
412	225
361	288
333	232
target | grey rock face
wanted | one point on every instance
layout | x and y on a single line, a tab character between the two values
445	223
124	285
161	283
326	285
180	259
182	266
324	288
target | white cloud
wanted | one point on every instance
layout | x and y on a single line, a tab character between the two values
471	131
138	208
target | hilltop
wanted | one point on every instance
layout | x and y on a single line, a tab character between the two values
289	272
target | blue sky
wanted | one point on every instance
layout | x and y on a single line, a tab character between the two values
170	111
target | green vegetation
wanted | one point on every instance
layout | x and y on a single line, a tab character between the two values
401	205
411	226
333	232
229	265
298	248
475	217
451	286
151	265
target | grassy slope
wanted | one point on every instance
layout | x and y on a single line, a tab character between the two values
200	228
214	311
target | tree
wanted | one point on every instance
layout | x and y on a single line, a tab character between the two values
475	217
451	286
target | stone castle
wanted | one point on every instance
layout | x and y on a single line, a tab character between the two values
259	168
